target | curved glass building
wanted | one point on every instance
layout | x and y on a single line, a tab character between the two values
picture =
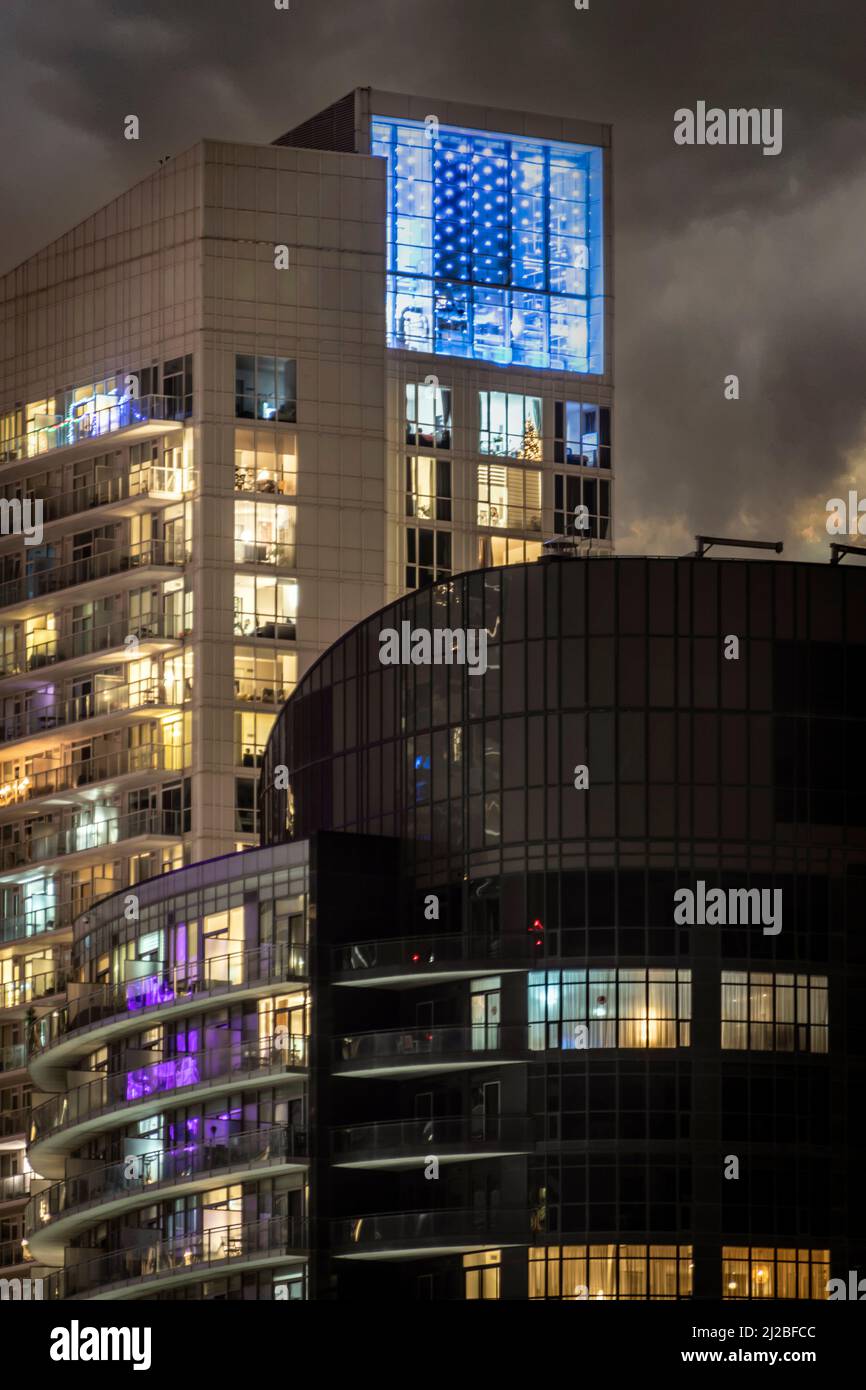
544	986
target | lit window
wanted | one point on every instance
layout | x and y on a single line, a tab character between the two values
510	425
616	1272
754	1272
609	1008
264	533
506	550
428	488
252	731
494	246
763	1012
481	1274
571	492
428	415
509	497
265	388
263	676
265	607
581	434
428	556
266	461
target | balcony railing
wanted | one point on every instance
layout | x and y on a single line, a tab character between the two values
94	425
412	1045
179	984
390	1138
159	482
22	926
429	1228
13	1057
49	648
263	692
11	1253
171	1074
15	1185
164	1167
146	757
42	986
82	838
13	1122
117	699
102	565
418	954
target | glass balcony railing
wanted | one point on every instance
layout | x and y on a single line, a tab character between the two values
13	1057
11	1253
50	981
420	954
90	1006
430	1228
46	649
79	839
173	1075
102	565
13	1122
412	1045
391	1138
14	1186
55	915
146	757
210	1250
94	424
115	699
164	1168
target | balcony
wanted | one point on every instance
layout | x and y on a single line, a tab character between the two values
94	1015
88	839
158	483
151	698
403	1144
185	1259
59	1125
416	1234
429	1051
142	418
57	1214
121	640
57	917
17	994
14	1123
29	589
13	1057
420	959
11	1253
15	1186
73	777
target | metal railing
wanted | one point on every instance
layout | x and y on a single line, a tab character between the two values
409	1044
103	564
51	647
82	838
115	699
170	1074
90	1006
159	482
13	1122
21	926
52	981
143	1173
14	1185
147	757
11	1253
468	1227
204	1250
415	1136
13	1057
94	424
419	953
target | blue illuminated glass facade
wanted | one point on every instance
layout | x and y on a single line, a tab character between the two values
494	246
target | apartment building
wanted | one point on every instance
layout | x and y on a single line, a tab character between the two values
260	394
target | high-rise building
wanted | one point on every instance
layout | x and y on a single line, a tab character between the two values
260	394
544	984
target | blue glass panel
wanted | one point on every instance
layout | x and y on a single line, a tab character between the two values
494	246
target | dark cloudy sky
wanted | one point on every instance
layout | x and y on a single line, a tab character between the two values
727	261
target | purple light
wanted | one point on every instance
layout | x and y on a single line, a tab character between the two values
143	994
161	1076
